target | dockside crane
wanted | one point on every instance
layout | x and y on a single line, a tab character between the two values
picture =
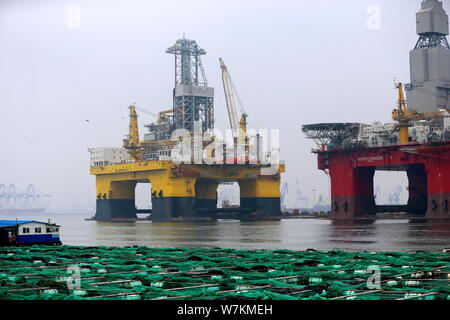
161	117
394	196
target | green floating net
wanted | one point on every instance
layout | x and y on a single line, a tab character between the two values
136	273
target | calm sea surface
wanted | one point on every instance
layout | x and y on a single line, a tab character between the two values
293	234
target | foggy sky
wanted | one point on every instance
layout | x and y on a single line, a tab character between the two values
293	62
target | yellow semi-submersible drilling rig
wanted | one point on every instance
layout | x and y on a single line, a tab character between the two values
183	158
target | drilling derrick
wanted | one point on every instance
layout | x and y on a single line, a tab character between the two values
193	100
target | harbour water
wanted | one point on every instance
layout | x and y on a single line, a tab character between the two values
292	234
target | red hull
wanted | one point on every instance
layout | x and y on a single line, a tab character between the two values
352	172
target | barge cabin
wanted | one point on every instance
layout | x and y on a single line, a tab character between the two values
28	232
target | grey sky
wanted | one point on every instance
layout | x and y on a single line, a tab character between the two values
293	62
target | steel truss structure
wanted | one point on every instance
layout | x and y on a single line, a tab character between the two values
432	40
193	100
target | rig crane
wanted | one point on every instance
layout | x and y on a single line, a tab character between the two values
161	116
132	142
301	200
407	117
239	127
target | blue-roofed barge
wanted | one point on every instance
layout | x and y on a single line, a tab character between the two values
28	232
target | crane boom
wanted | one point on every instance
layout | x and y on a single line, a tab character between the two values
402	115
229	97
406	117
132	143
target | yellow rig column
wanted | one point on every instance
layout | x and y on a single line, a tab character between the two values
262	195
115	199
206	197
173	198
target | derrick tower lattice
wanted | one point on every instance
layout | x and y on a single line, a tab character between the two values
193	100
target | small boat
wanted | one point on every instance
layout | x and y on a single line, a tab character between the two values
28	232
